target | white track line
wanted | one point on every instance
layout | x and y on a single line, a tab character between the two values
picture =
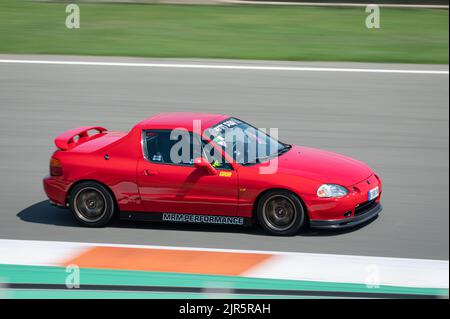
227	67
330	4
6	242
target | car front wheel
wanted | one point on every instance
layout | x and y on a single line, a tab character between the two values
280	213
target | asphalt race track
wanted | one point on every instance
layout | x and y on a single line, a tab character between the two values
397	123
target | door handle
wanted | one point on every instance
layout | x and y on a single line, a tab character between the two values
148	172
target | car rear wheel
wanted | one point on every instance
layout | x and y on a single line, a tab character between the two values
280	213
91	204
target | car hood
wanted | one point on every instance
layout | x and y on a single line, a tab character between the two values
323	166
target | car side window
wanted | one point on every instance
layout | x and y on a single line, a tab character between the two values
171	147
213	156
168	147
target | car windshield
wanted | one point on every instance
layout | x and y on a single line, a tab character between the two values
245	143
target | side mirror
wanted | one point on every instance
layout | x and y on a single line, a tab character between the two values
201	162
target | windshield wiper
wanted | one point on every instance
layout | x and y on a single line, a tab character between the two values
282	150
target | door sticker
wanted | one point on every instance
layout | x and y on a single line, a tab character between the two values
225	174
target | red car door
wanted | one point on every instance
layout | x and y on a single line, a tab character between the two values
167	187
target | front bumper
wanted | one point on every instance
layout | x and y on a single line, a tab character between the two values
347	222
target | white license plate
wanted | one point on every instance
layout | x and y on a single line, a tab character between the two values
373	193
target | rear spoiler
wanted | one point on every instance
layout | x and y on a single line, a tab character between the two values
73	137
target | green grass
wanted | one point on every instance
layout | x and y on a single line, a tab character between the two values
241	32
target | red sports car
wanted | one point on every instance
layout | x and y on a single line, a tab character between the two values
207	169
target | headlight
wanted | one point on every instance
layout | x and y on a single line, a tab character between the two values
331	190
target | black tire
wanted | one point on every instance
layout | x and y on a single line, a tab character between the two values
92	204
281	213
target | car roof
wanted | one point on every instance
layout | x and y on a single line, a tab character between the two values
172	120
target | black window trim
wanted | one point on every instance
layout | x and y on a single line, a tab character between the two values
145	153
